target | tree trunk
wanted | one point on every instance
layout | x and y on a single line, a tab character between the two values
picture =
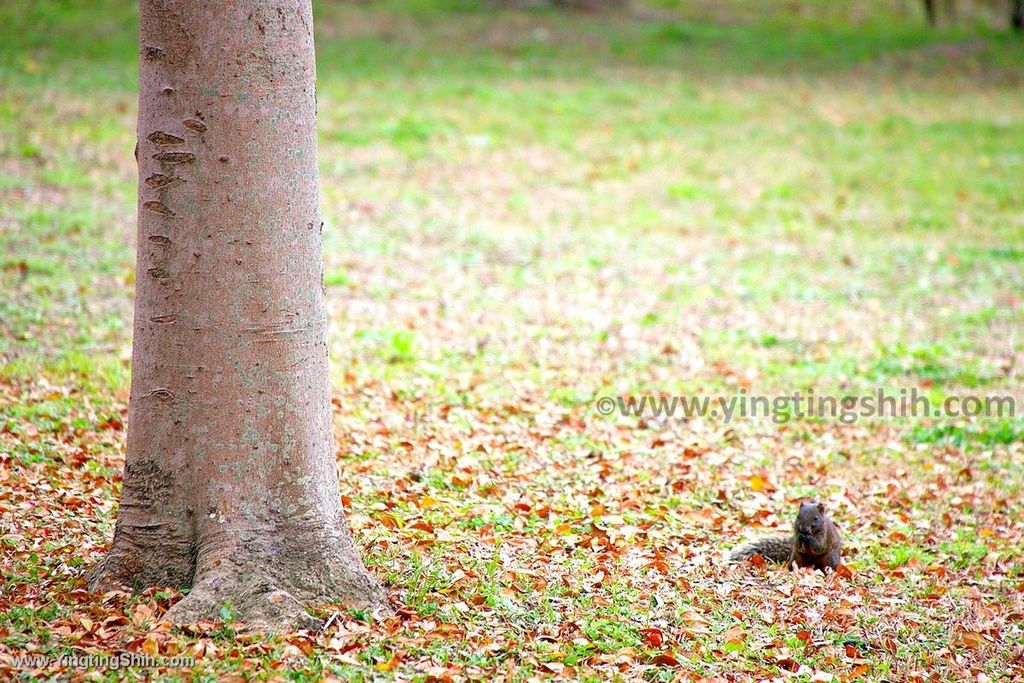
929	12
1017	15
230	483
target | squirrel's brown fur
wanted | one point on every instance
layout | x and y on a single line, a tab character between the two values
815	542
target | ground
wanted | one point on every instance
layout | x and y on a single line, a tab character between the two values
526	211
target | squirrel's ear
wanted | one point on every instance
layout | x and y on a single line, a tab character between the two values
821	507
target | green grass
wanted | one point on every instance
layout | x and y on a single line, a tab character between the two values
986	435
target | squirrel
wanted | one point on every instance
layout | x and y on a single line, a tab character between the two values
815	542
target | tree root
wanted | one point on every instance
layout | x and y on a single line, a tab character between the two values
255	603
260	579
265	582
129	567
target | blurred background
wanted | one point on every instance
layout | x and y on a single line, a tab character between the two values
585	195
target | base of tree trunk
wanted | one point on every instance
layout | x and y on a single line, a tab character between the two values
263	580
138	566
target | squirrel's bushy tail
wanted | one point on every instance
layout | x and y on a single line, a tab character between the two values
776	549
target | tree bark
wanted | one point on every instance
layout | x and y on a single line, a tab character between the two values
929	12
230	484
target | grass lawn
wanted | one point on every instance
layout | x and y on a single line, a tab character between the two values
527	210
